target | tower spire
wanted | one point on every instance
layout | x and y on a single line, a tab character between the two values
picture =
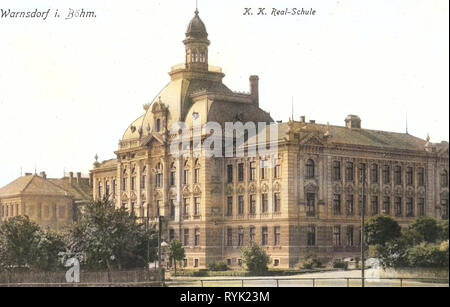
407	122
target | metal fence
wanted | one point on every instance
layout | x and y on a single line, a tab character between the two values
314	282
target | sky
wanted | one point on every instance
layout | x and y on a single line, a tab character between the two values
69	88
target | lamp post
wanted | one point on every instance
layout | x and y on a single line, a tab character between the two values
363	207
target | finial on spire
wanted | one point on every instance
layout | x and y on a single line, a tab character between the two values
196	7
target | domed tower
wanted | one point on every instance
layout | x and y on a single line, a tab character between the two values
196	43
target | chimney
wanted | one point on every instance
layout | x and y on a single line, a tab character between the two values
303	119
78	177
43	175
312	121
353	122
70	177
254	89
28	174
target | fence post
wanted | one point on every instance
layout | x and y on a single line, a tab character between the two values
314	282
201	282
401	282
278	283
242	283
348	282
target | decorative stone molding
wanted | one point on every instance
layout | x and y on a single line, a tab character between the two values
337	188
241	190
197	190
374	189
252	189
277	186
387	190
398	190
229	189
311	188
264	188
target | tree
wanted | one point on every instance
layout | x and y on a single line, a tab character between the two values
23	244
424	229
176	252
19	240
51	245
382	229
255	258
105	237
444	230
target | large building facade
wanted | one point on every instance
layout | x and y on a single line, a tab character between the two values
304	198
49	202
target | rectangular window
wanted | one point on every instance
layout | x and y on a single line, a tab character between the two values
143	182
252	204
421	207
444	206
409	176
276	202
277	236
185	177
172	179
363	204
409	207
398	206
171	234
186	237
229	205
398	175
350	205
124	184
263	170
133	183
230	173
195	263
114	187
241	205
252	234
158	181
265	203
197	175
374	173
421	176
185	206
158	207
197	237
172	208
252	171
229	237
311	236
336	170
197	206
241	236
386	174
265	236
374	205
349	172
350	231
387	205
277	171
241	172
310	204
337	204
337	236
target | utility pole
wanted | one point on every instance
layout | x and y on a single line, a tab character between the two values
363	209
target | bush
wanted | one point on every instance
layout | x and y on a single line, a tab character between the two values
217	266
428	255
340	264
309	262
200	273
426	229
255	259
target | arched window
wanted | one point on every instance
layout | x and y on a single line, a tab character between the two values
310	169
444	179
158	125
